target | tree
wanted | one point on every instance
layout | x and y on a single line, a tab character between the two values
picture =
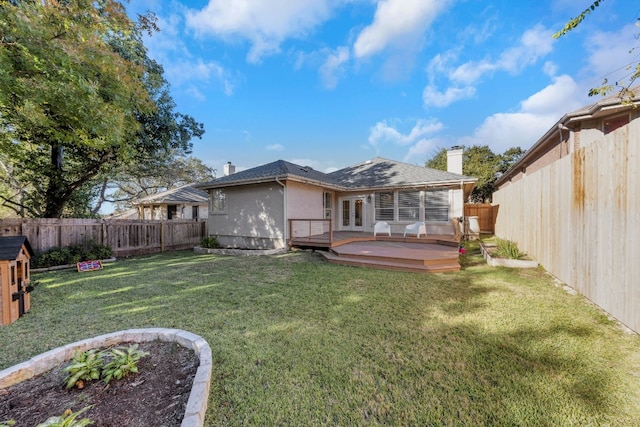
479	162
79	98
606	88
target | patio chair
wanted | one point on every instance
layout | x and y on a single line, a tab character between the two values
416	228
381	227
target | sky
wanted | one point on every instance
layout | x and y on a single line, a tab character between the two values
332	83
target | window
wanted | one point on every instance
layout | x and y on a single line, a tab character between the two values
218	201
408	205
609	125
327	204
384	206
194	212
436	205
172	211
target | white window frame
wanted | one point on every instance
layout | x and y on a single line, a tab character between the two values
327	204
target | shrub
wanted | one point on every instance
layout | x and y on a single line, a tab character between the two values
70	255
508	249
210	242
68	419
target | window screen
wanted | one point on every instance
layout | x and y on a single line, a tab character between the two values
218	201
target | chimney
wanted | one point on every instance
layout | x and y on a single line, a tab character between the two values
229	169
454	160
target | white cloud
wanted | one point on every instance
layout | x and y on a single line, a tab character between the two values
536	115
417	138
534	44
333	66
397	23
432	98
609	54
182	71
275	147
264	23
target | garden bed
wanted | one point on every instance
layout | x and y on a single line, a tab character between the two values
487	250
171	387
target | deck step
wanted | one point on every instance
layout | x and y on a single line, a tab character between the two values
427	266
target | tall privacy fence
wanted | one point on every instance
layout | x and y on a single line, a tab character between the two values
580	218
486	214
126	237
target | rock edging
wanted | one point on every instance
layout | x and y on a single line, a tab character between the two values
197	403
240	252
504	262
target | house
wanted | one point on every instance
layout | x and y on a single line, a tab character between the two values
15	278
185	202
256	208
572	202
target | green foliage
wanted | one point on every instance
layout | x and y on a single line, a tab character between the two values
68	419
508	249
85	366
9	423
210	242
71	255
79	98
479	161
625	93
123	362
574	22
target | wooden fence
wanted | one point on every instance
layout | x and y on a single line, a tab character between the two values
126	237
486	214
580	218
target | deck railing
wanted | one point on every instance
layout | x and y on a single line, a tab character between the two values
316	231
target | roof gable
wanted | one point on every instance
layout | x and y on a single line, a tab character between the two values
10	247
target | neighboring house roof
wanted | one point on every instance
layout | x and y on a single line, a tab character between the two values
185	194
10	247
376	173
604	107
127	214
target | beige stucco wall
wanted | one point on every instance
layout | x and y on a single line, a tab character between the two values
304	201
254	217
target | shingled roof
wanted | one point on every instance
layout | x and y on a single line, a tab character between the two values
280	169
10	247
185	194
381	173
376	173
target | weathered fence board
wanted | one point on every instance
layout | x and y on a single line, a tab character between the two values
126	237
580	218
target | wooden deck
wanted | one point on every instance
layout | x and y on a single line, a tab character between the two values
425	254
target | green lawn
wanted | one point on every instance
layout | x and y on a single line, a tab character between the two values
300	342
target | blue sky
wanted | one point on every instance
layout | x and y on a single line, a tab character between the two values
331	83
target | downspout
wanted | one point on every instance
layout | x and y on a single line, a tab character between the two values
562	127
284	213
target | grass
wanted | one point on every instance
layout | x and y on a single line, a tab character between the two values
299	342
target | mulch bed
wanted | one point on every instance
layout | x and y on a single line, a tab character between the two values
156	396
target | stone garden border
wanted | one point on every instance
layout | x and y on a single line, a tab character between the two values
503	262
241	252
197	403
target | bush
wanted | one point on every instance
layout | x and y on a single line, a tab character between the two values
210	242
70	255
508	249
